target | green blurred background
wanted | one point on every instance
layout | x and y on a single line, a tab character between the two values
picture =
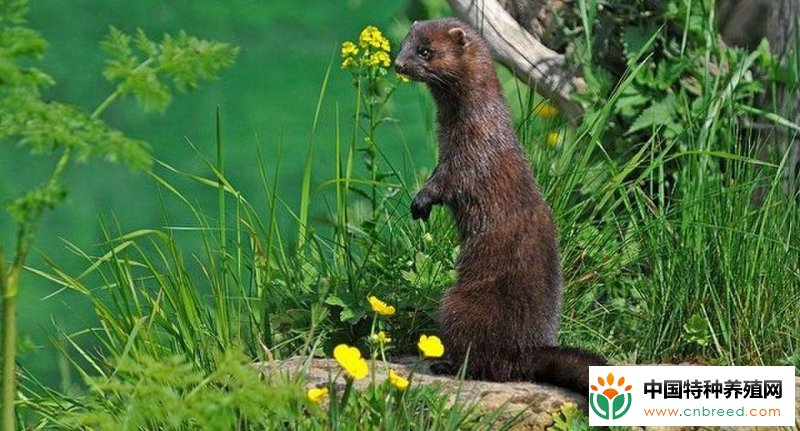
267	101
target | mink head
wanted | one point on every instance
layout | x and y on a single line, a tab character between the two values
442	52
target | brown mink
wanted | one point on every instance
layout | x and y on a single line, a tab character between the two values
502	315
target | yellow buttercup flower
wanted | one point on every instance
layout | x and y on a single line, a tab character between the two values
398	381
545	110
379	58
349	63
553	138
380	338
381	307
372	50
431	347
349	49
316	395
372	37
350	359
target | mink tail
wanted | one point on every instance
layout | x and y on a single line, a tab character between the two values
567	367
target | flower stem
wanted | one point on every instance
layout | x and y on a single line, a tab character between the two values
414	369
8	288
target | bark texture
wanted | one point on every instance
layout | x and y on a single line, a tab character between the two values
782	33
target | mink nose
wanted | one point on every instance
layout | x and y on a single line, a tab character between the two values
400	66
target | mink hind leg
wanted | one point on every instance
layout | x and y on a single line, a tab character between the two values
479	361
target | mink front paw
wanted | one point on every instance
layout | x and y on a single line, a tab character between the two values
421	207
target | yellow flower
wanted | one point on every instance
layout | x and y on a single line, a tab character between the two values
350	359
553	138
431	347
403	78
372	37
316	395
349	49
545	110
349	63
381	338
381	307
398	381
379	58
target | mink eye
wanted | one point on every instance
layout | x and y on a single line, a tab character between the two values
424	53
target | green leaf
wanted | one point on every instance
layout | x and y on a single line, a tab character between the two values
658	114
140	66
634	39
35	201
335	300
668	72
189	60
347	315
118	45
150	92
598	80
351	311
570	418
696	330
46	127
145	45
21	42
17	46
630	100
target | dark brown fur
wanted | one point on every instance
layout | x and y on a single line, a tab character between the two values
505	305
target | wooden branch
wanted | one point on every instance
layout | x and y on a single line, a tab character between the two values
530	14
540	67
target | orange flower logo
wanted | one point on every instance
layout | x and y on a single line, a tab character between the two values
608	401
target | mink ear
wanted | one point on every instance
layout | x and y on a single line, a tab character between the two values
459	35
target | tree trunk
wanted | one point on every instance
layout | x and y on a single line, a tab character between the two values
783	34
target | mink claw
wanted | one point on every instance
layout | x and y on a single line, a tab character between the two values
420	209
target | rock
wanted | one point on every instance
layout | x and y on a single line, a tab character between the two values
538	402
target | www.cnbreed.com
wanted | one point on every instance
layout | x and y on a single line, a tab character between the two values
691	396
703	411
